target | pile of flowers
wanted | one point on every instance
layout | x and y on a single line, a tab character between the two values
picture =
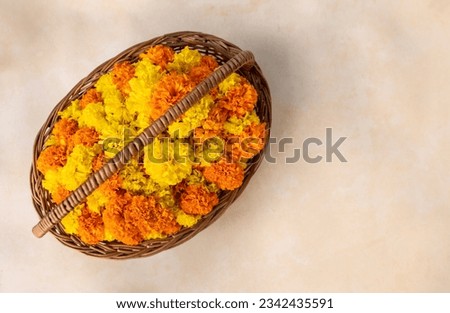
177	179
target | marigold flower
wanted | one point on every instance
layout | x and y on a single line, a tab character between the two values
167	163
107	191
135	180
240	99
230	82
207	65
192	118
196	199
117	225
91	96
60	195
250	141
187	220
168	91
63	130
131	219
227	176
77	168
90	227
159	55
142	86
73	111
83	136
98	162
51	158
149	216
235	125
122	73
70	221
185	60
113	100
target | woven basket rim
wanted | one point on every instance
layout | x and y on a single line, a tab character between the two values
222	50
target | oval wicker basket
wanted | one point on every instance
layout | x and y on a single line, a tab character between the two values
231	59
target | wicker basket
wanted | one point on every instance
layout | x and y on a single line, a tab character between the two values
231	59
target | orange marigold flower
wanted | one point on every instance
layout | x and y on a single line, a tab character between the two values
196	199
206	67
227	176
98	162
148	215
116	224
60	195
159	55
51	158
168	91
84	136
240	99
111	186
63	130
213	125
129	218
91	228
91	96
121	75
201	134
248	144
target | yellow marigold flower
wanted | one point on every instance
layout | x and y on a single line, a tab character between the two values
94	116
196	199
235	125
167	163
121	75
115	110
229	83
78	167
135	180
159	55
165	197
186	220
73	111
185	60
141	89
70	221
192	118
51	181
227	176
153	234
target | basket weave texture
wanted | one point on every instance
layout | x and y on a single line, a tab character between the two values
231	58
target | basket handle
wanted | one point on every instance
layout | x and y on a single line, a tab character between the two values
241	59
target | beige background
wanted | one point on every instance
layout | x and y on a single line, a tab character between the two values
376	72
